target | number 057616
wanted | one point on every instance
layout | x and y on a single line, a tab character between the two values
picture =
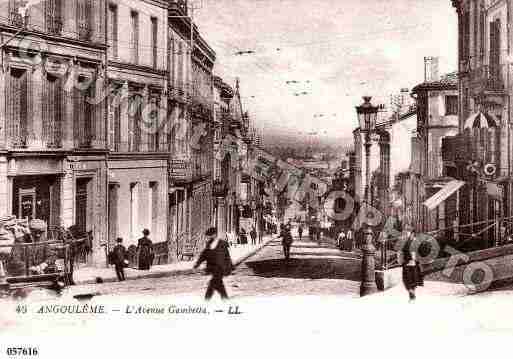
22	351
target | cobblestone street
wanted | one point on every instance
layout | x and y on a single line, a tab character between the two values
313	269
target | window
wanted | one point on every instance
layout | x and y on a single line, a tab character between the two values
134	123
52	111
84	112
465	36
16	17
451	105
115	119
179	75
495	49
153	205
466	103
84	17
134	206
134	41
476	30
17	103
154	124
53	19
113	31
482	31
154	34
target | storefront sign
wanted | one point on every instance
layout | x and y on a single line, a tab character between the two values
179	170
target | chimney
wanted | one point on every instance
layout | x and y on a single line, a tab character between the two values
405	97
431	69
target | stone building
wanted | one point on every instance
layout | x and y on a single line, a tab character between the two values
191	97
437	118
52	135
225	157
139	139
480	155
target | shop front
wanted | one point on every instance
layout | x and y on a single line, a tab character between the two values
62	191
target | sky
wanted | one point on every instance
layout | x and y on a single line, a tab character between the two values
336	50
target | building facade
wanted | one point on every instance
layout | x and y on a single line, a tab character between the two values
437	118
191	109
139	140
480	155
52	126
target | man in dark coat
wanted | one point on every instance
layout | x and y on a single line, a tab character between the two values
119	258
286	241
219	263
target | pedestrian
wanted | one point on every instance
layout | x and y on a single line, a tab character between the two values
219	263
411	273
243	237
340	240
350	238
119	259
253	235
286	241
145	251
300	231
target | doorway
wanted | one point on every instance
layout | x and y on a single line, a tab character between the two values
81	206
37	197
113	213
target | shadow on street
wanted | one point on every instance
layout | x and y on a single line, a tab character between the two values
315	267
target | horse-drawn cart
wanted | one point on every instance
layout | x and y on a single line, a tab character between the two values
33	255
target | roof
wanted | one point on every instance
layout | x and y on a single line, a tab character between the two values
446	82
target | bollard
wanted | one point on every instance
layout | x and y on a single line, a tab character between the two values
368	285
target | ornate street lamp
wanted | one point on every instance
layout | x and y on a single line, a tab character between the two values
367	115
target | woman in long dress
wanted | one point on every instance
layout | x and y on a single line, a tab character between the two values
412	273
145	251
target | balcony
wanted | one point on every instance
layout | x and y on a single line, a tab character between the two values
17	19
84	31
54	26
179	92
201	110
179	5
488	79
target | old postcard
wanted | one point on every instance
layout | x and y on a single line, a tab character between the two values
255	178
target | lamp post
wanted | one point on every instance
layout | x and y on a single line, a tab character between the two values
367	115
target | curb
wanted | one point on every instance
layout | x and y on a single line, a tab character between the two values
175	273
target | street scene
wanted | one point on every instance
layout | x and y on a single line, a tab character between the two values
208	158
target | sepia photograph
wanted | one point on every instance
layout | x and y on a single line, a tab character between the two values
278	178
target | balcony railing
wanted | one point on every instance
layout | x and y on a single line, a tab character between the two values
179	92
54	26
84	31
488	78
17	19
180	5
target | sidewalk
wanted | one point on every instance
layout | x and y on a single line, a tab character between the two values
449	282
88	275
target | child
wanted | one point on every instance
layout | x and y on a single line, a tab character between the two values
119	255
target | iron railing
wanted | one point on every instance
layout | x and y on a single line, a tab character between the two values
488	77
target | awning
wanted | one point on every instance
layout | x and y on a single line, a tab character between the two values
445	192
480	120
